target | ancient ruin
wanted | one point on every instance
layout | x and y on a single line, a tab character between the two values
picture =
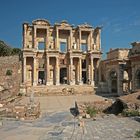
61	54
67	55
120	72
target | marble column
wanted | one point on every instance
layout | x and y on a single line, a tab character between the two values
34	72
92	71
98	40
24	36
47	71
47	39
57	39
24	70
88	70
57	72
88	43
34	38
71	71
91	40
79	39
80	71
71	41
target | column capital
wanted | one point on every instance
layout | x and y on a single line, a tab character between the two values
24	56
34	57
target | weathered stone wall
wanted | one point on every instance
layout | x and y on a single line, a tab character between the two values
118	54
116	62
9	84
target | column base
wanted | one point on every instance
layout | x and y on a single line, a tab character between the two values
49	83
93	83
80	83
34	83
71	83
57	84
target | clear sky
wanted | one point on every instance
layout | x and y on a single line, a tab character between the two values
120	18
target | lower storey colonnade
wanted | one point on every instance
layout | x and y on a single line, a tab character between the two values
56	71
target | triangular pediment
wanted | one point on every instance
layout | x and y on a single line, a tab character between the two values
85	25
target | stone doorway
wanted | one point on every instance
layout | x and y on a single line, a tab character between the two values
84	72
84	77
137	79
113	80
114	86
41	77
63	75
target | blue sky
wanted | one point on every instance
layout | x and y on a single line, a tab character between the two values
120	18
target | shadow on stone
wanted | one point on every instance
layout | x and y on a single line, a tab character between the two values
117	107
137	119
74	111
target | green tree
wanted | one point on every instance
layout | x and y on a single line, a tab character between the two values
16	51
6	50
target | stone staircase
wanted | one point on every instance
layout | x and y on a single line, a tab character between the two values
61	90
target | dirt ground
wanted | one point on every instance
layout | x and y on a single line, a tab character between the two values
61	103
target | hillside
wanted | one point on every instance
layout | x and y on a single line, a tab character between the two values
6	50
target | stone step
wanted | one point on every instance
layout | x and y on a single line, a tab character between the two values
62	89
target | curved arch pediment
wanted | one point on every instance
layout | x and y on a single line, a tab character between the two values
41	22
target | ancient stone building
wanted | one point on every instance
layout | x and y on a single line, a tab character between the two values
115	72
120	72
134	57
60	54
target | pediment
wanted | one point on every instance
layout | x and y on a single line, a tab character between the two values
41	22
63	24
85	25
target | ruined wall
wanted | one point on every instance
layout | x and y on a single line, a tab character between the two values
123	54
118	54
10	76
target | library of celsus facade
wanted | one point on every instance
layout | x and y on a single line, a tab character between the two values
60	54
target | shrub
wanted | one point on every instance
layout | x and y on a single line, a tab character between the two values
91	111
15	51
137	134
9	72
129	113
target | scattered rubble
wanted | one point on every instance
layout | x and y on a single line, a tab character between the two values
24	112
98	106
128	105
12	108
129	102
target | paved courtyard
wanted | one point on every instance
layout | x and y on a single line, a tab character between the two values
61	103
63	126
57	123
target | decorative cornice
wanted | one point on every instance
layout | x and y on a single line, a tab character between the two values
41	22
